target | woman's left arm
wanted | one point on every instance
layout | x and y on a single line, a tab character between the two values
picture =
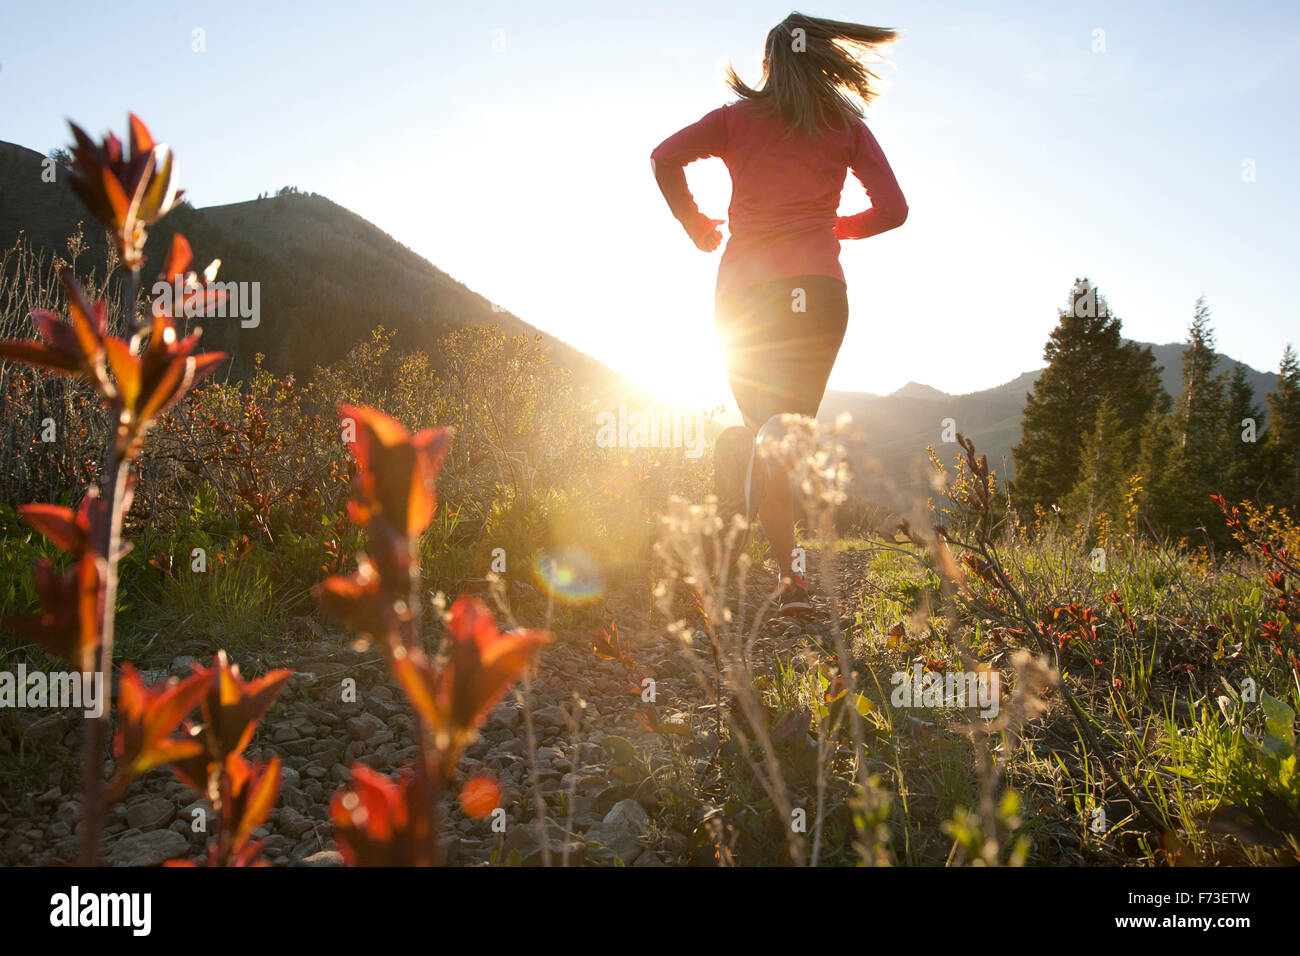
700	140
888	208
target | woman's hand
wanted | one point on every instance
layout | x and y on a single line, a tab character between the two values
706	235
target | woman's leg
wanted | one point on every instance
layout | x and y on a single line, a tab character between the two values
779	361
802	356
777	513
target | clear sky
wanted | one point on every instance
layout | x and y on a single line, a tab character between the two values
508	142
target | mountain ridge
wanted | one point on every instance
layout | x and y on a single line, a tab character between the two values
897	428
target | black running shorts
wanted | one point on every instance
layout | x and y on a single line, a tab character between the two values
777	357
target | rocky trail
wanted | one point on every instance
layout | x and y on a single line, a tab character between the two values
595	775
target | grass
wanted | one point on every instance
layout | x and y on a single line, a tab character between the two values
1164	702
238	606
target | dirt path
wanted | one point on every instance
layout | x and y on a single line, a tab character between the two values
600	803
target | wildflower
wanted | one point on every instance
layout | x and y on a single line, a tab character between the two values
479	797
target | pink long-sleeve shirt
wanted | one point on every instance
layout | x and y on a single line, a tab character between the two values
785	192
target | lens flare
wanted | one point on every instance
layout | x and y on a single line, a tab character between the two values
569	575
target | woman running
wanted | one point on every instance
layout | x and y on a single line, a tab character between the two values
780	304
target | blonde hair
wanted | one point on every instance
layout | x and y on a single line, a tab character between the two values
817	72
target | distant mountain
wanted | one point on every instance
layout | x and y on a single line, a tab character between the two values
896	428
1170	358
918	391
327	277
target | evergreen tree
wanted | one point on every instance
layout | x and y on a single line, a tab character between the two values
1200	407
1243	442
1155	454
1284	435
1104	468
1086	361
1198	464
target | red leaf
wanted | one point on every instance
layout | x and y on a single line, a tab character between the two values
233	707
126	370
59	524
179	257
455	699
42	356
254	790
396	473
375	823
141	141
147	716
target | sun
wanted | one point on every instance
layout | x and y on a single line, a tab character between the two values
688	374
663	339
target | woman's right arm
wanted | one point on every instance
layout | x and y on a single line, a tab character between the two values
704	138
888	207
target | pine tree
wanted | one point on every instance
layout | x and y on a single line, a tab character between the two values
1156	451
1200	407
1104	468
1198	464
1284	435
1086	360
1243	444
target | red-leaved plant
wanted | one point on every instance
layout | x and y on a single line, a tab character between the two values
138	378
378	821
